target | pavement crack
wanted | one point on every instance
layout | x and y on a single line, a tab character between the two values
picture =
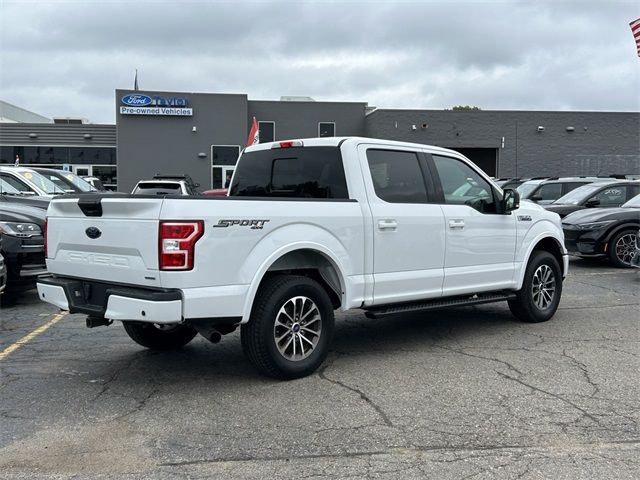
551	394
387	421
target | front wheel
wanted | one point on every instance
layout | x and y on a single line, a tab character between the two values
159	337
622	248
539	297
290	328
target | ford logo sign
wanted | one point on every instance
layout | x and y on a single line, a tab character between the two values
93	232
136	100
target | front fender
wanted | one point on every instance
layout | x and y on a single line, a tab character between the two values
289	238
542	229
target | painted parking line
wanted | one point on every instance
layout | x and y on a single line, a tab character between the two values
30	336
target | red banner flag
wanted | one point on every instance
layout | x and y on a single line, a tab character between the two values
635	29
254	134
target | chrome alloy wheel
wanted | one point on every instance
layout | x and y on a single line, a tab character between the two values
297	328
543	287
626	248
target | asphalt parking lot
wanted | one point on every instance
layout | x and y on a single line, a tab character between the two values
465	393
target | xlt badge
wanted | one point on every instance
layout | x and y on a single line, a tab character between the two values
253	224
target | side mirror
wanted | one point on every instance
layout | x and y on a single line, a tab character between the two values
594	202
510	200
535	198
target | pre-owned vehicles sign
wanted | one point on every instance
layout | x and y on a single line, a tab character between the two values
139	104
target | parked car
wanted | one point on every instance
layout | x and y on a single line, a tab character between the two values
167	185
22	231
600	232
549	190
3	270
29	182
609	194
27	200
516	182
636	259
68	181
216	192
96	183
341	223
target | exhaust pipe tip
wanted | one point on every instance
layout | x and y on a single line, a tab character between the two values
214	336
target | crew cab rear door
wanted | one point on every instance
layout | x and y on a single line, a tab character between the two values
111	238
408	230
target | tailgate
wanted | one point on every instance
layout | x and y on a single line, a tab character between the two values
112	238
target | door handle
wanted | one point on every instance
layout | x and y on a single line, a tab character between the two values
387	225
456	224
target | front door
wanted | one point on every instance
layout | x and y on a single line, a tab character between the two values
408	230
481	243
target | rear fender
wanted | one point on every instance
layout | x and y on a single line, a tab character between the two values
292	238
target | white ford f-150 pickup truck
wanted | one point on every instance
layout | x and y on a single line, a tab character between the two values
309	226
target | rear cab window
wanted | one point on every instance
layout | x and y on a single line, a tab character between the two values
296	172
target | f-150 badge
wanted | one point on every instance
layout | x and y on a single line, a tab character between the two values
253	224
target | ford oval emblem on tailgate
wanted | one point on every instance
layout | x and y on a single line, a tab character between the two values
93	232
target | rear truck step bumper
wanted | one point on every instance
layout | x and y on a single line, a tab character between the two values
113	302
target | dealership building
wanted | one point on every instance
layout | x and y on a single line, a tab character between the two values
202	134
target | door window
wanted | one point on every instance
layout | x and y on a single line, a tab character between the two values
397	176
611	196
549	191
462	185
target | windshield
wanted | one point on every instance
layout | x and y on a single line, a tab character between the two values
75	181
42	182
526	188
633	203
574	197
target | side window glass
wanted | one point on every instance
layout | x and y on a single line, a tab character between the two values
463	186
15	183
549	191
611	196
397	176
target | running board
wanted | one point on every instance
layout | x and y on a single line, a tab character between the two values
383	311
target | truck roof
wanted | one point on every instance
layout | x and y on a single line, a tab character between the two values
337	141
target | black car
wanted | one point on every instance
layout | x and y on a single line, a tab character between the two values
26	200
599	232
547	191
22	231
602	195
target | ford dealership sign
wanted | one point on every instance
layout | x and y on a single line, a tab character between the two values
136	100
139	104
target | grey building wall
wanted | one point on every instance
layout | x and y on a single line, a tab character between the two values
601	143
149	144
300	119
49	134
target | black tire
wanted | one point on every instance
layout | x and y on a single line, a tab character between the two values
527	304
259	334
621	255
159	337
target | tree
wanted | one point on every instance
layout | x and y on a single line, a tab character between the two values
465	108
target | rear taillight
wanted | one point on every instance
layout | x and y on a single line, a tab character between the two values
44	233
176	243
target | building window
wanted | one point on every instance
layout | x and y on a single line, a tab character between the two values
267	131
223	161
327	129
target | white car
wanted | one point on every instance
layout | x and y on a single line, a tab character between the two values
28	182
309	226
166	185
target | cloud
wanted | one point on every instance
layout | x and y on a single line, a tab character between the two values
66	58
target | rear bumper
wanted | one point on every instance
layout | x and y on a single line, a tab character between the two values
152	305
112	302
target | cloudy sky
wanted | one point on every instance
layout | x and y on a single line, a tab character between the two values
66	58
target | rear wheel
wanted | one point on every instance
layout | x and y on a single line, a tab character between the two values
622	248
159	337
539	297
290	328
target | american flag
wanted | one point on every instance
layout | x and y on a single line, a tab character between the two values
635	29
